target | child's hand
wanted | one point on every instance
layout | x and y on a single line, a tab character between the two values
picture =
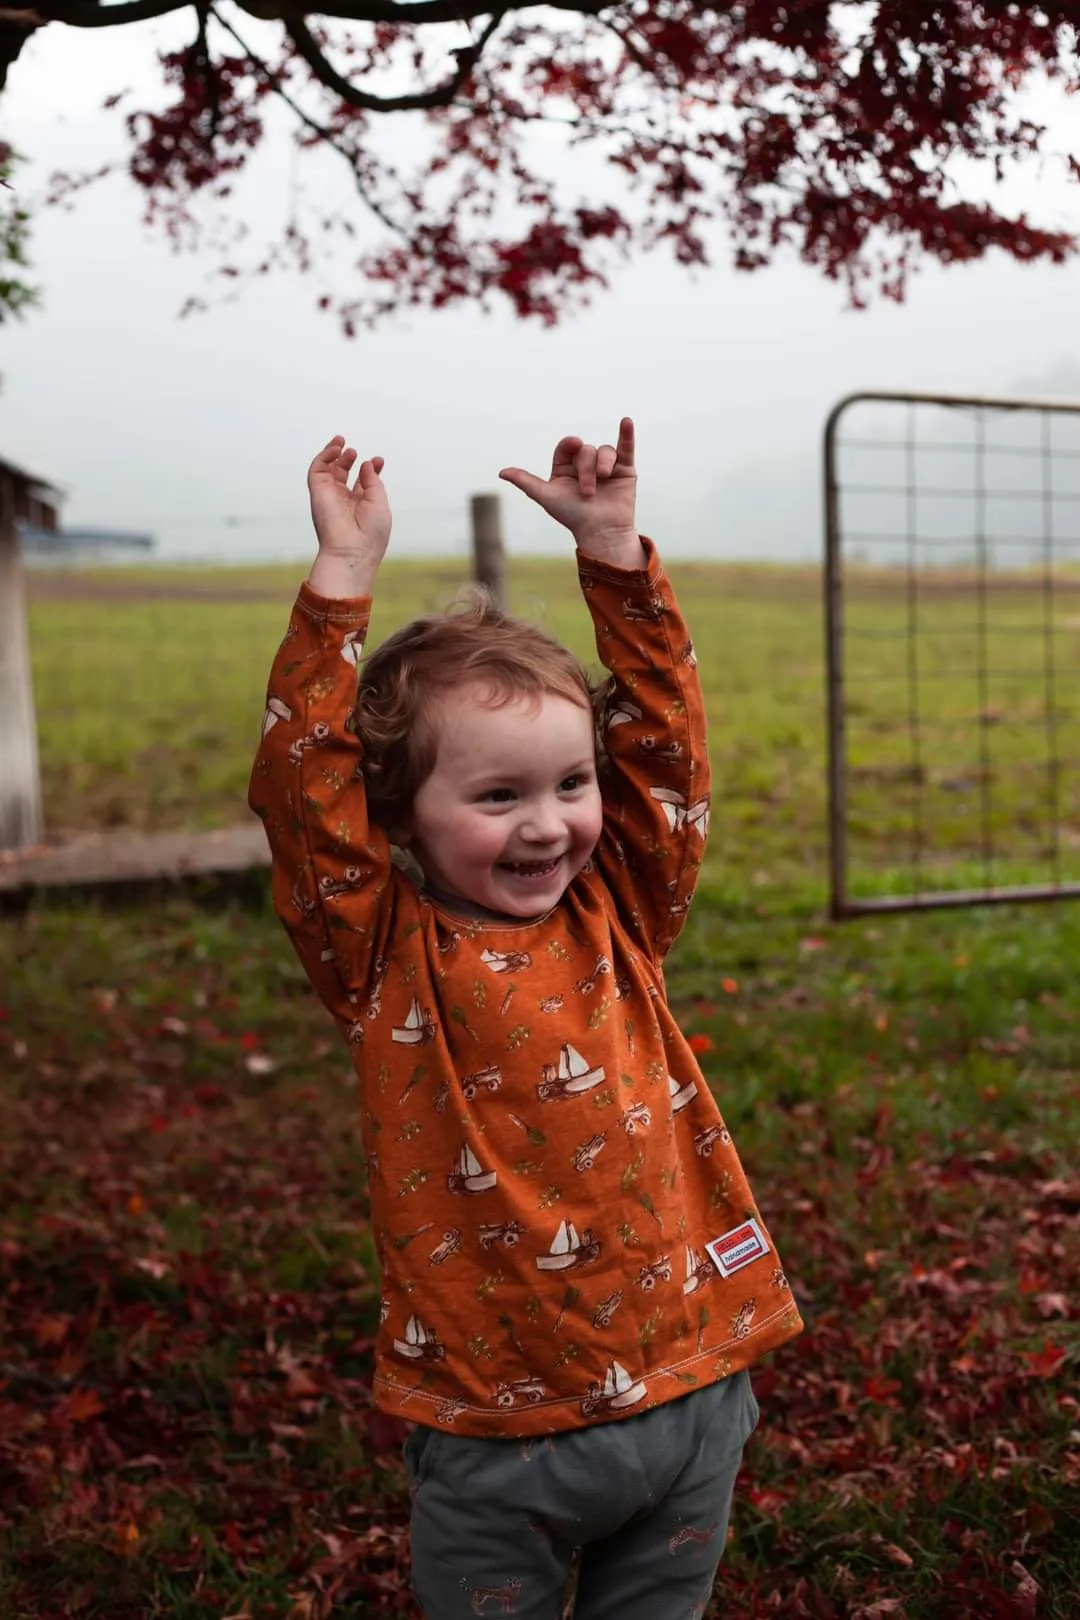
592	492
348	522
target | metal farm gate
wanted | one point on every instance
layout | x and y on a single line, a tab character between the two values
952	605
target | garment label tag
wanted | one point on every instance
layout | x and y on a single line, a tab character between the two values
738	1248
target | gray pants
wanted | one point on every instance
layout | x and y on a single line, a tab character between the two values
496	1523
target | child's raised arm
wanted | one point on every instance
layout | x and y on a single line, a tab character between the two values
656	789
352	524
331	866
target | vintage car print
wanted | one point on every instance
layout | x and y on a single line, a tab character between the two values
635	1118
488	1078
705	1141
509	1233
530	1390
605	1311
740	1322
451	1243
588	1153
648	1277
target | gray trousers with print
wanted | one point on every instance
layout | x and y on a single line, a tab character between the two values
496	1523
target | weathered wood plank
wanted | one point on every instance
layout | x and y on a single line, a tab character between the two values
21	816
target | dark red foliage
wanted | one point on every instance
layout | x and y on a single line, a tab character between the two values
810	127
815	127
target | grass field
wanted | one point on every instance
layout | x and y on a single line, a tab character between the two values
187	1285
147	707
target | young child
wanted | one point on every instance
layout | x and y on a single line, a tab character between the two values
575	1275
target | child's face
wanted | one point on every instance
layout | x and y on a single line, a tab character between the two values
511	811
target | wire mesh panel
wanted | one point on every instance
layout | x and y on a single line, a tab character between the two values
952	599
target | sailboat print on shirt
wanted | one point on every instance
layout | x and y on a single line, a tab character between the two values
680	1095
470	1175
275	710
568	1251
617	1392
420	1343
623	714
418	1028
699	1271
673	804
572	1076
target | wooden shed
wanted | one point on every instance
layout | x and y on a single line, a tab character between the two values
24	498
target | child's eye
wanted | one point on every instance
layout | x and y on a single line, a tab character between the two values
497	796
572	784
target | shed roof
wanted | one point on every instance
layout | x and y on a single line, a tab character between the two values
15	471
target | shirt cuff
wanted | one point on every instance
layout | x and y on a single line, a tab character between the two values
593	568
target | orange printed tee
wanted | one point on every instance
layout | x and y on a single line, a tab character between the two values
565	1232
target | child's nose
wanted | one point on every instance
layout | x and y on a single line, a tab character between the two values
543	823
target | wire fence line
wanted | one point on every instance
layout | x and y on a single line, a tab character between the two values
964	703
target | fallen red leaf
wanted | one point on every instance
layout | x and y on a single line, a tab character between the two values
1045	1363
84	1404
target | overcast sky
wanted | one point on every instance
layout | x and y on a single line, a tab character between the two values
201	430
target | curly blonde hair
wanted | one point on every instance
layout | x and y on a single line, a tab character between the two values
471	642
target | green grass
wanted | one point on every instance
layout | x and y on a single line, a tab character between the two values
148	707
188	1290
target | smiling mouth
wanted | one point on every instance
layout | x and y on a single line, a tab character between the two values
532	869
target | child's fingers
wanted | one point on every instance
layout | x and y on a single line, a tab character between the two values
370	470
562	461
606	458
625	454
527	482
585	466
330	451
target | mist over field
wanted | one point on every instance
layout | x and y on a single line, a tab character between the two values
200	430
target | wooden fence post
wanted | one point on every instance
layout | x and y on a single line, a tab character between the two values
489	556
21	819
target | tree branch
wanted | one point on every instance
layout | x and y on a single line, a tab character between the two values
86	14
468	56
414	14
327	135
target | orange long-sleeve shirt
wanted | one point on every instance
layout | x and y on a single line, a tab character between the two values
565	1232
